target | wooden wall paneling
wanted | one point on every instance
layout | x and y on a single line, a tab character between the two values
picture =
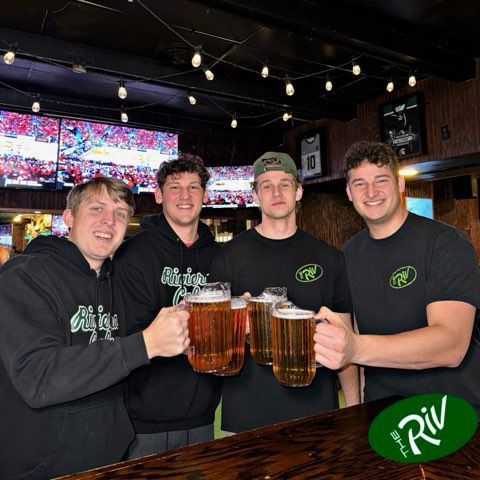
330	217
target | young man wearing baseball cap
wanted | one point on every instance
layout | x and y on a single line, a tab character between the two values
274	254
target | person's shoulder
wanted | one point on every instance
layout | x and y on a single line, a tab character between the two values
27	264
435	228
355	241
140	240
240	241
315	242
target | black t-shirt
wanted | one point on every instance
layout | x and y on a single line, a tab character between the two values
315	275
392	280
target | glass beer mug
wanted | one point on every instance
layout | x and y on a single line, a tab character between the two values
239	321
292	344
259	319
210	328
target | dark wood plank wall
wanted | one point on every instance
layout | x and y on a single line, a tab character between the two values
446	103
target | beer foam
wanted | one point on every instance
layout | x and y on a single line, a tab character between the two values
208	297
293	313
239	302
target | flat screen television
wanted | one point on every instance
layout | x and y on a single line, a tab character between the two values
230	187
58	227
89	149
28	150
6	234
420	206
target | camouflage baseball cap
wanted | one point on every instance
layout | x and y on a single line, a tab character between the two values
274	161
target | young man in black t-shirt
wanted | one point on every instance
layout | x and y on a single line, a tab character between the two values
274	254
415	288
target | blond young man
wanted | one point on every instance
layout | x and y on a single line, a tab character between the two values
63	354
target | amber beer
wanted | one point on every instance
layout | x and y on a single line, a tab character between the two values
210	328
292	344
239	323
259	319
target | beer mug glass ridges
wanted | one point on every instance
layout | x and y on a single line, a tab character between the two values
292	345
239	321
259	319
210	327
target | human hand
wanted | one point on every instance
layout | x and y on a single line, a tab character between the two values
167	335
247	296
334	340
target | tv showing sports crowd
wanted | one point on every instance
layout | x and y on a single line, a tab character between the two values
89	149
230	186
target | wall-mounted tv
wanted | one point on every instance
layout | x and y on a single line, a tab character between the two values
420	206
58	227
230	187
89	149
6	234
28	150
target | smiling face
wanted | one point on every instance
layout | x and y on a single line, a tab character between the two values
98	226
277	194
182	196
375	193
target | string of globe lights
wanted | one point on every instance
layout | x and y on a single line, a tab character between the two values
197	62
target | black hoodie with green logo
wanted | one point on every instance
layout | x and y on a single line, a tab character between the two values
155	269
62	363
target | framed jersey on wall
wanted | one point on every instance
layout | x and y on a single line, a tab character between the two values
312	154
402	125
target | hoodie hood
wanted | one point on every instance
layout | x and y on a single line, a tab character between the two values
66	253
159	224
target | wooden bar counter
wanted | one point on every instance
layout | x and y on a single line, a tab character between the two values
332	445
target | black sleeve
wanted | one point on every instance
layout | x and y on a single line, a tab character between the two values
342	301
131	275
43	369
452	270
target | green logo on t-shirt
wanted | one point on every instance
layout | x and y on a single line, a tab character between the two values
423	428
309	273
403	277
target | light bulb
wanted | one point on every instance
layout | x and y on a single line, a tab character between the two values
390	86
265	71
286	116
36	106
122	91
124	116
209	74
234	122
356	69
197	58
328	85
9	57
192	99
412	81
289	90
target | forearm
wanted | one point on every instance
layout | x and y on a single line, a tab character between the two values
349	381
427	347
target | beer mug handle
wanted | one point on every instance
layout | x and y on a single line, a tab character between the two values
317	321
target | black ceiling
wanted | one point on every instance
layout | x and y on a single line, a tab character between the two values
149	43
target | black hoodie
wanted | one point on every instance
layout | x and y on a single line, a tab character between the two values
61	396
156	270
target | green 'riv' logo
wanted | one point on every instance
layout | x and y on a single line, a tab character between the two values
423	428
403	277
309	273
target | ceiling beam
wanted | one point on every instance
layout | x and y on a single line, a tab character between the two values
359	30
